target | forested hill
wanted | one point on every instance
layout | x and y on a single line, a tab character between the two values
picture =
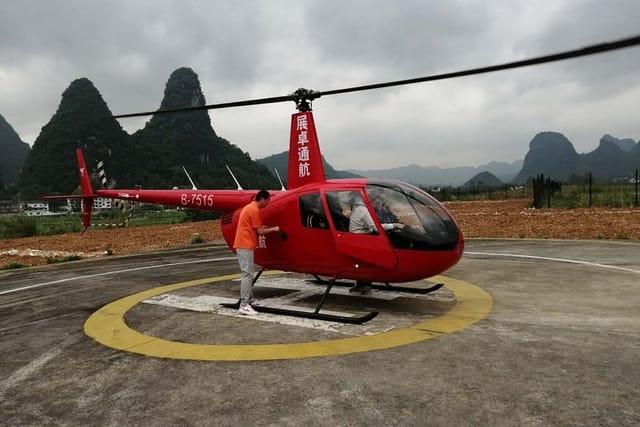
152	157
14	152
552	154
82	120
170	141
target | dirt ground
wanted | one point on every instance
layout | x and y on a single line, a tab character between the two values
501	219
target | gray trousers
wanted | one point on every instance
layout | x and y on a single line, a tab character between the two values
245	259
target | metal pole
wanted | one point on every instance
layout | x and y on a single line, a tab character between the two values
590	183
637	188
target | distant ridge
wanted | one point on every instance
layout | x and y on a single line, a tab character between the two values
434	176
279	162
626	144
484	180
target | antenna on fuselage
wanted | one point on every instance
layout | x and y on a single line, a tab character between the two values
234	178
279	179
193	186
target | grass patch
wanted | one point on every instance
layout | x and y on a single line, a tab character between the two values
13	226
14	265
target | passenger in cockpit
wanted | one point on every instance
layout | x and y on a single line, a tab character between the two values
316	218
360	220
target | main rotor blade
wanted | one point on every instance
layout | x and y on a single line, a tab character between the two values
258	101
588	50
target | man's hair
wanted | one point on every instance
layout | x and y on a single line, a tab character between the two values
263	195
377	193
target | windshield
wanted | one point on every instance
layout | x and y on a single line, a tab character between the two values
411	218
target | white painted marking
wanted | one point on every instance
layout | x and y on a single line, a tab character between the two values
127	270
28	370
571	261
300	289
211	304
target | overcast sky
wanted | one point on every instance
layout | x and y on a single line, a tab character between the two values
254	49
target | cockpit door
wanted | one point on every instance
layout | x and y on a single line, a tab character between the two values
374	247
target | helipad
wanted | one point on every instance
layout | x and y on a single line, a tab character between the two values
108	327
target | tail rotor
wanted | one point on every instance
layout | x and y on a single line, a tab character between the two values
125	207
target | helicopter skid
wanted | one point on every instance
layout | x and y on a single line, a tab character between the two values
354	320
388	287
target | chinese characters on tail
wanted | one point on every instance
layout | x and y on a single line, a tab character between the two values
305	166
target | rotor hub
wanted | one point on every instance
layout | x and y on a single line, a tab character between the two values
303	98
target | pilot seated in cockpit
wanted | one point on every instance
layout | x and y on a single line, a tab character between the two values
361	222
388	219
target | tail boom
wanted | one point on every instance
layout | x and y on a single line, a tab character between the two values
208	200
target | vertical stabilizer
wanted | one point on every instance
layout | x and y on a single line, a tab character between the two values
85	190
305	159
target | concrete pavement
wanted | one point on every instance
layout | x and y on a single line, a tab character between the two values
560	346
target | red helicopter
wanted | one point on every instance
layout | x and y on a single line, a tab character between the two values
411	235
418	238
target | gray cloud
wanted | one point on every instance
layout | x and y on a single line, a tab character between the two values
257	49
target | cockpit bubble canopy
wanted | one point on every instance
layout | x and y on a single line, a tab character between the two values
425	224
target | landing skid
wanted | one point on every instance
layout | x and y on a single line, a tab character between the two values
354	320
388	287
316	315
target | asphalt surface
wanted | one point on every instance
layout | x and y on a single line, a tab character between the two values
560	346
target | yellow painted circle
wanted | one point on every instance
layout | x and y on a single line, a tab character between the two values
107	326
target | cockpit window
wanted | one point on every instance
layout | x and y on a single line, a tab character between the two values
411	218
339	203
311	211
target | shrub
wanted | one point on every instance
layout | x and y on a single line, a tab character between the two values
194	215
17	226
58	226
13	265
54	260
196	238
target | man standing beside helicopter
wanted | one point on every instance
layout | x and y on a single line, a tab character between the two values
246	240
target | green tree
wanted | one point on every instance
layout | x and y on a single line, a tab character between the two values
3	190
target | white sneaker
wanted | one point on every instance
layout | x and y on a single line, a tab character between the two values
247	310
255	303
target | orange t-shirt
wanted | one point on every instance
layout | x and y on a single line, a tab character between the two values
248	223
